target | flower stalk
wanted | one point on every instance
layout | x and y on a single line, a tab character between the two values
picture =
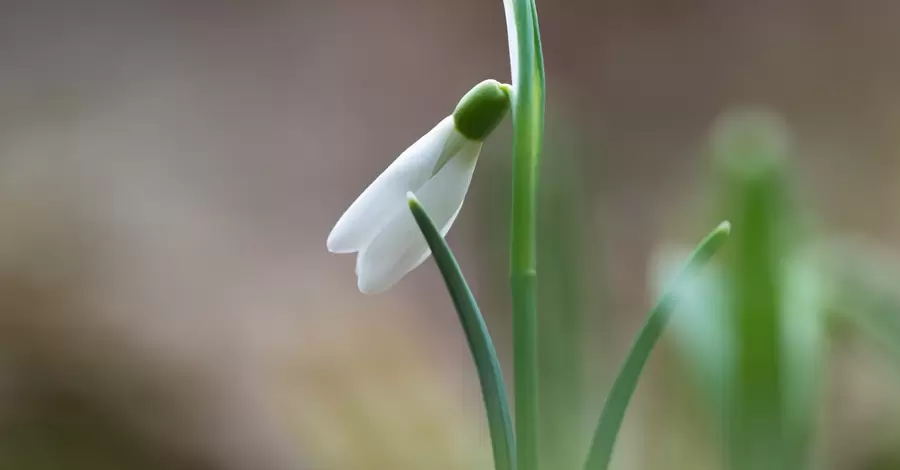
528	128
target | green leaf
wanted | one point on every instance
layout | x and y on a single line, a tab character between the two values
704	334
701	333
493	389
607	429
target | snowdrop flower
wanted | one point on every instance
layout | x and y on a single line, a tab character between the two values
437	169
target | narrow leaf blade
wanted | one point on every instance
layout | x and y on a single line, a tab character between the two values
484	354
613	413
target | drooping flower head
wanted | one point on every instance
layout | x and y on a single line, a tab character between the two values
437	169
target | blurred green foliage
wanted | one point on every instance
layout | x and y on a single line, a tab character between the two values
756	331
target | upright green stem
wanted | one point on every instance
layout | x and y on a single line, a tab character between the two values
528	127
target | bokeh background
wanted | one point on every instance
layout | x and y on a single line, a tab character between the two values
170	169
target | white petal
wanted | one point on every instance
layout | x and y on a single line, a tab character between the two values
400	247
387	194
513	36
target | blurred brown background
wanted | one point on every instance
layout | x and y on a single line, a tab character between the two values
169	171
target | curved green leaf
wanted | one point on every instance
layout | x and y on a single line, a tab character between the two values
493	389
623	388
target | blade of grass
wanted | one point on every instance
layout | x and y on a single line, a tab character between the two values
623	388
701	329
490	376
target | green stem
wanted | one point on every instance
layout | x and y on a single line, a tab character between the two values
626	382
525	368
528	127
493	390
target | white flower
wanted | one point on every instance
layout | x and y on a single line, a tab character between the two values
437	169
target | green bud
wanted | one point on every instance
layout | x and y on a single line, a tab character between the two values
481	109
